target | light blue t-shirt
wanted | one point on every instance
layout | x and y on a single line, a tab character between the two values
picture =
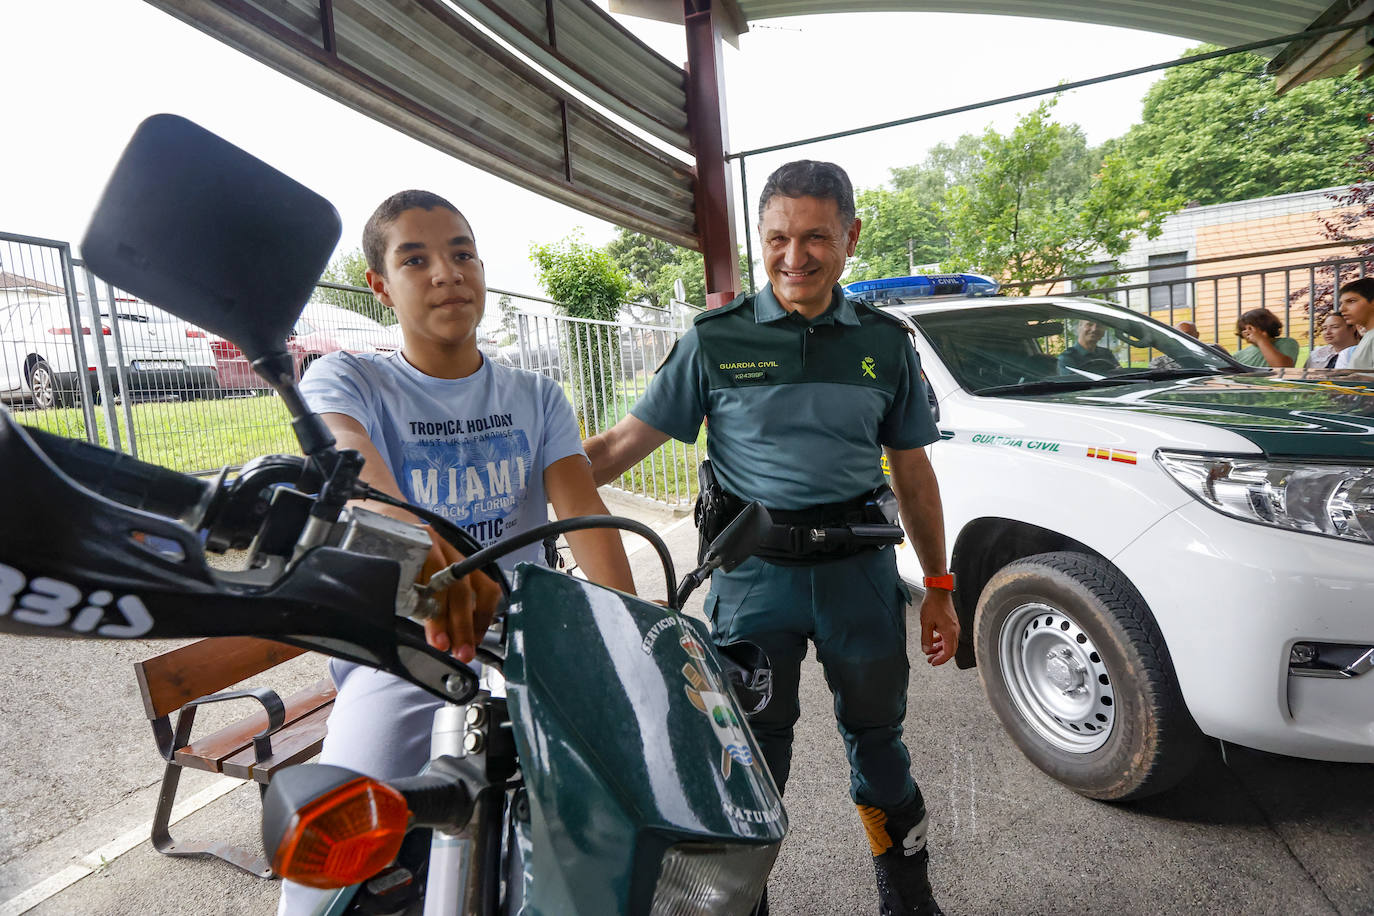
473	449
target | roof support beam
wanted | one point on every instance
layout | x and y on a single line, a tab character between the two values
715	197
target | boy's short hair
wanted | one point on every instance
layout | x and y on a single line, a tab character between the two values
1361	287
1263	319
374	233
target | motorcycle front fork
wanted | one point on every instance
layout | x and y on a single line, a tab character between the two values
466	867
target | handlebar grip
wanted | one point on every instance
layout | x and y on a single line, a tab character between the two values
436	799
122	478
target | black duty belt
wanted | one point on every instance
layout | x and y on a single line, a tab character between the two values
831	531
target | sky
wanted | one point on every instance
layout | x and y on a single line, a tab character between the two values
81	74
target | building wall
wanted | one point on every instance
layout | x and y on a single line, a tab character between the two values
1233	231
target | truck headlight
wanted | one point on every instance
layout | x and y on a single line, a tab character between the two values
1332	499
701	879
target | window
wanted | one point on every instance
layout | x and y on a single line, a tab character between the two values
1165	268
1106	269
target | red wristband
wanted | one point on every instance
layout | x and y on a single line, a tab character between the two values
944	583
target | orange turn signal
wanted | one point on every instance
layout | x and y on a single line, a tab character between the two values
343	837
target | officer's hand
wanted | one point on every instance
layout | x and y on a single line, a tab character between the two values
465	608
939	626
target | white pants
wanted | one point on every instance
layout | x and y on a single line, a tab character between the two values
380	727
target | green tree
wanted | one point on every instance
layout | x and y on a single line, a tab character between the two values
586	283
1219	133
900	228
350	269
1026	214
653	265
506	328
945	166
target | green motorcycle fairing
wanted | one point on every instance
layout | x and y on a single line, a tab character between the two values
630	742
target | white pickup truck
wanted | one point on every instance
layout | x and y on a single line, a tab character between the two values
1151	543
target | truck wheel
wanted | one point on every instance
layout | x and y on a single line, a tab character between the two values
1074	665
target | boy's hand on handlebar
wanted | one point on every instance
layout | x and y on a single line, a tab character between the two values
466	607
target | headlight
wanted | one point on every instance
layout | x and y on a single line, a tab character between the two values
706	879
1331	499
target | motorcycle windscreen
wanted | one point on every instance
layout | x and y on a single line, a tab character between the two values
630	743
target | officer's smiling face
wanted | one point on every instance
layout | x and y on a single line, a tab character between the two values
805	246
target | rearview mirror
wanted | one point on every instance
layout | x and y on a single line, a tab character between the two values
200	228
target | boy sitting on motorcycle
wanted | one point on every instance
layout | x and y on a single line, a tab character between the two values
442	426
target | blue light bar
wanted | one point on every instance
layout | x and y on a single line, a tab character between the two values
921	287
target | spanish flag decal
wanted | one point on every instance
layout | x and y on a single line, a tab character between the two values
1108	454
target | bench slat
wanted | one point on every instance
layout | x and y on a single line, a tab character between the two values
297	742
211	752
171	680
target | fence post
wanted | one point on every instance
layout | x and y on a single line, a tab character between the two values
83	382
101	361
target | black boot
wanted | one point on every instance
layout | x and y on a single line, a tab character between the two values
898	841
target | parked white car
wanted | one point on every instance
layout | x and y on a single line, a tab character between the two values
1151	547
38	360
161	354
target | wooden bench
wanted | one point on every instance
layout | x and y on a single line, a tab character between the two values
281	733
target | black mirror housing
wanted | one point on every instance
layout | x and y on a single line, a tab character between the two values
197	226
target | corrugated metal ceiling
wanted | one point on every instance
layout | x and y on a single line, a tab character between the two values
420	67
1222	22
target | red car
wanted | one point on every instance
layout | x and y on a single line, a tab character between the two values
321	329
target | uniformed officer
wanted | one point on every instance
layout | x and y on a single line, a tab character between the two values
804	390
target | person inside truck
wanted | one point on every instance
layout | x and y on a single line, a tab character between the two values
1085	356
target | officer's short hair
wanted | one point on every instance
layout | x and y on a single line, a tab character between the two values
374	232
809	178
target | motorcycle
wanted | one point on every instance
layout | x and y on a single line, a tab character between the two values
616	775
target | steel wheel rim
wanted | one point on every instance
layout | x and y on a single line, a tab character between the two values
1056	678
43	387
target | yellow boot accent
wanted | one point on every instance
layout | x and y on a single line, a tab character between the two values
875	825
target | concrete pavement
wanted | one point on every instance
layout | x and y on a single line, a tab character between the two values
1251	834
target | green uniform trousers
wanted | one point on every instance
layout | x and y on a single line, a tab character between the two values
854	610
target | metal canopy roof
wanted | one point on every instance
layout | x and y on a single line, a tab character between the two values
420	67
1221	22
425	69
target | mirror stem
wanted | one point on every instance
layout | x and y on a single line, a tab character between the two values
280	372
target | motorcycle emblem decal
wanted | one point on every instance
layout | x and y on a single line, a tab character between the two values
49	602
718	708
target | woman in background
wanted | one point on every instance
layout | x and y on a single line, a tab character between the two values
1341	337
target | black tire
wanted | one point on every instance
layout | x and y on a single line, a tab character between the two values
1074	665
43	385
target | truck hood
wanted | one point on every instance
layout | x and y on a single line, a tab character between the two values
1286	415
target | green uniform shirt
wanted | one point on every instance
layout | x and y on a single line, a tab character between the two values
798	410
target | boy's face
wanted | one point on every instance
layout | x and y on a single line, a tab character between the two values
434	280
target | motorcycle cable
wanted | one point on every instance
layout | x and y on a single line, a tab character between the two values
450	532
488	555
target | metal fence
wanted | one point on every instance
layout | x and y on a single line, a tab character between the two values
604	366
1295	292
85	360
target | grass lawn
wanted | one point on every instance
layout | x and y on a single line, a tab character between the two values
193	437
197	437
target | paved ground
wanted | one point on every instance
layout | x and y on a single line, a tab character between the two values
1251	834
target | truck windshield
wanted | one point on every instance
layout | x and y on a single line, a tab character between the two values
1043	344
